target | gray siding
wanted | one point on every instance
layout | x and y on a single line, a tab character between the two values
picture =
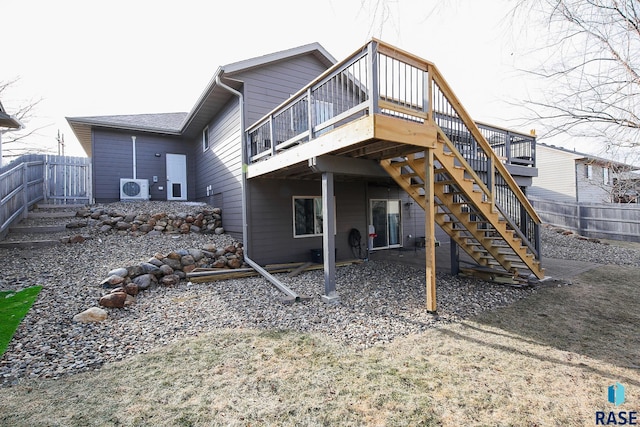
266	87
113	159
271	210
220	167
594	189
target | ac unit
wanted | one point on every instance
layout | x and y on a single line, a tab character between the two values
134	189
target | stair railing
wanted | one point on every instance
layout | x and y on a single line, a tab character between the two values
449	114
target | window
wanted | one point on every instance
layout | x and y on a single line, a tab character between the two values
205	139
589	171
605	175
307	216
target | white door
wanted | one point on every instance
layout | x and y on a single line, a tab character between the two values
176	177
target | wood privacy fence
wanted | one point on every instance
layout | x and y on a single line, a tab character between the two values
38	177
607	221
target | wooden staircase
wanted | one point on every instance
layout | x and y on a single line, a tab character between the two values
466	208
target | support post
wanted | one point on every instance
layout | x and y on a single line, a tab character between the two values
328	238
454	253
430	231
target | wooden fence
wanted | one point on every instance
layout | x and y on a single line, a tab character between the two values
607	221
37	177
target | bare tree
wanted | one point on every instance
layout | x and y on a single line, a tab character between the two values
590	64
16	141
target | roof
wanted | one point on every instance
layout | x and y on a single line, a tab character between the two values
7	121
212	99
578	156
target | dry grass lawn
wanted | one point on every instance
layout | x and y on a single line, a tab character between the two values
545	361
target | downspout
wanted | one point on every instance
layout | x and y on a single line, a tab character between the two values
245	161
133	141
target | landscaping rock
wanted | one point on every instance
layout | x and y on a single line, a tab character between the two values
93	314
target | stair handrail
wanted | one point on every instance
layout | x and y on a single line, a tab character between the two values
439	80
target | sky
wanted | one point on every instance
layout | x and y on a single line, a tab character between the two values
137	56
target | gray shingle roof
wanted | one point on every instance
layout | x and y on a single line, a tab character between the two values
160	122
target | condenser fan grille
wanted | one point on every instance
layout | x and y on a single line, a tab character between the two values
131	188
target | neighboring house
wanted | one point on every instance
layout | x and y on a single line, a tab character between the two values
7	121
290	146
570	176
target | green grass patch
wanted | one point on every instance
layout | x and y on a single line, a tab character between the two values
13	307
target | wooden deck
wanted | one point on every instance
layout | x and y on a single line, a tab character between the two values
383	108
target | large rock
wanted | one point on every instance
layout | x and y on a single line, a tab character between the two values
113	281
166	270
114	300
132	289
187	260
170	280
122	272
196	254
144	281
93	314
150	268
234	263
135	271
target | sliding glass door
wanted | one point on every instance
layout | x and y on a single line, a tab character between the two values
385	217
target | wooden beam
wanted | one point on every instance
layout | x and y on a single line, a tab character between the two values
405	132
430	231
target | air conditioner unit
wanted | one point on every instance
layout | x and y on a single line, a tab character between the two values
134	189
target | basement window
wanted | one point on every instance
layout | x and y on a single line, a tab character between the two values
307	216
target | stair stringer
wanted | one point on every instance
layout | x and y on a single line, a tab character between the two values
474	194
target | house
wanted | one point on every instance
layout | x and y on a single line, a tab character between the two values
570	176
305	154
7	121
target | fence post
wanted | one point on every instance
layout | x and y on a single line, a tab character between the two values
45	178
25	190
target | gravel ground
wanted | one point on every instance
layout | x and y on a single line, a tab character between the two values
555	245
378	301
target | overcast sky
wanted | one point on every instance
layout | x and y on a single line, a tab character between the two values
87	58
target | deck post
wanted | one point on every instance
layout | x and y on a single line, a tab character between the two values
454	254
328	238
430	232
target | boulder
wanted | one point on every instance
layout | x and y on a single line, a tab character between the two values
112	281
114	300
173	263
122	272
144	281
166	270
135	271
187	260
170	280
93	314
196	254
132	289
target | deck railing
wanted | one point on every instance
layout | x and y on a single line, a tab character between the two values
381	79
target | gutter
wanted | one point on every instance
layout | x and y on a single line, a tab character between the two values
277	283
